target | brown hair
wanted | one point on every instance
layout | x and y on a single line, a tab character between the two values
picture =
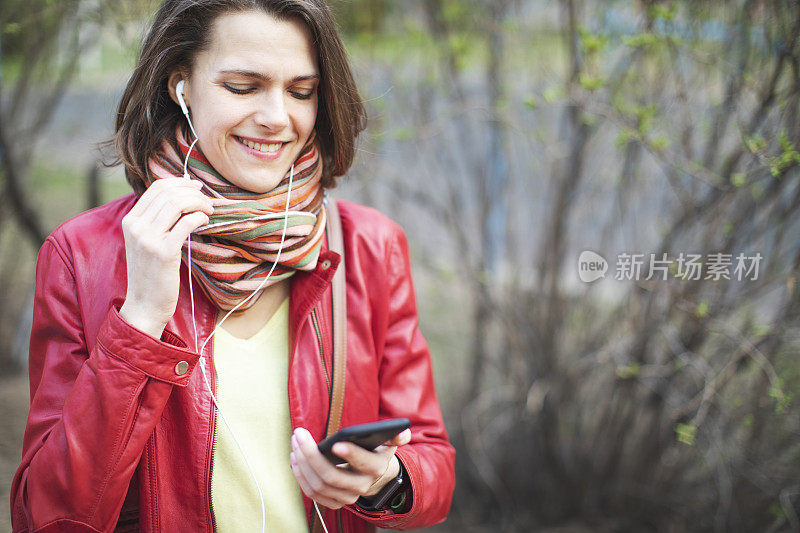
181	29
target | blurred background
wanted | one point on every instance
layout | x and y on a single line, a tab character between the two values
507	137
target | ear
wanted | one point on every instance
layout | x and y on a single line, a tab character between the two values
172	83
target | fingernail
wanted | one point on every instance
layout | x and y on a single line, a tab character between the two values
294	442
300	435
340	449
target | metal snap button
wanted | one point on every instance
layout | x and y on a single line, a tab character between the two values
181	368
326	264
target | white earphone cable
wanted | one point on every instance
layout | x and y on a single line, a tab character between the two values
321	521
202	360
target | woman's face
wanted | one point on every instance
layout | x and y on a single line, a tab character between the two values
252	97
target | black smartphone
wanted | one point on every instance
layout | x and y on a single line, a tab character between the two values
368	436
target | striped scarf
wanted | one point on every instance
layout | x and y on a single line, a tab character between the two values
233	253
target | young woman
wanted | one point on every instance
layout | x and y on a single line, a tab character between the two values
214	278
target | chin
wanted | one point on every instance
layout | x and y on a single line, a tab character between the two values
262	185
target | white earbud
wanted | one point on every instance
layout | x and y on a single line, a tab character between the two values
185	109
181	101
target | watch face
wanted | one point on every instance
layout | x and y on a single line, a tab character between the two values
398	501
391	492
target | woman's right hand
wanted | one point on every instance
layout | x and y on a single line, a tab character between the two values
154	230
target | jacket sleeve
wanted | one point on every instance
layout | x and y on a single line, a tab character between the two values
92	412
407	390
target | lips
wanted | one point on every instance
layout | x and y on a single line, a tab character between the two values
263	150
262	145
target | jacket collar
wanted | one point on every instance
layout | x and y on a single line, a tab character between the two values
308	288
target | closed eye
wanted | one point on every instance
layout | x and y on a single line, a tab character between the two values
301	95
236	90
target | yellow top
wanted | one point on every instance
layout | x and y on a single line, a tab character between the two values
251	391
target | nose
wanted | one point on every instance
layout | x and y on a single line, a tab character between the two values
271	112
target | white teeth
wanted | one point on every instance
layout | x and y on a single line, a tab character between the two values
261	147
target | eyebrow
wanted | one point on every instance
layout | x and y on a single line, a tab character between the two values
262	77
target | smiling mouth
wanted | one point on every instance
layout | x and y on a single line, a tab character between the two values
265	148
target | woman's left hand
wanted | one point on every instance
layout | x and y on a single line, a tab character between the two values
335	487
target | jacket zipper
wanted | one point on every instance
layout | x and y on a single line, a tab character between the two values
213	379
317	331
152	466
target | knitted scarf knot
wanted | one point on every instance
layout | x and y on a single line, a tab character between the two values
231	255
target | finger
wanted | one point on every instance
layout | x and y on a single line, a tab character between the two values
325	484
165	210
369	463
404	437
158	188
173	209
340	478
306	487
305	442
175	181
323	476
186	225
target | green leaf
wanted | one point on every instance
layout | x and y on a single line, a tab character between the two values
403	134
592	43
625	136
755	143
642	40
460	44
531	102
702	309
454	12
776	510
738	179
660	142
644	116
782	400
591	83
552	94
783	139
12	28
789	156
728	228
589	119
629	371
664	11
686	433
761	330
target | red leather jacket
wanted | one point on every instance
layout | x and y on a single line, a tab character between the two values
118	438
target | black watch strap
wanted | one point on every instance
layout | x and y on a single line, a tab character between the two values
391	496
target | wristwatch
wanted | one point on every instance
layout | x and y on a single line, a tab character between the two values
391	496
